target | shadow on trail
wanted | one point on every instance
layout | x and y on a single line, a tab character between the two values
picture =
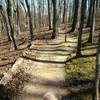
89	48
69	86
48	83
80	95
61	50
75	83
81	56
90	55
46	36
10	63
56	43
71	42
44	61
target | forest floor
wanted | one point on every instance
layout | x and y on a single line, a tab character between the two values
43	64
8	55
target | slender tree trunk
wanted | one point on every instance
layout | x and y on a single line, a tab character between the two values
25	11
92	28
90	14
97	72
18	28
54	18
34	17
59	9
34	14
10	23
83	8
71	8
6	25
49	14
30	20
39	16
42	13
76	14
97	10
64	13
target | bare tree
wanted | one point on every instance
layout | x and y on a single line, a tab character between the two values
92	28
5	22
83	7
42	13
23	6
54	2
97	72
30	20
17	11
9	12
64	12
76	14
90	13
39	15
49	14
34	13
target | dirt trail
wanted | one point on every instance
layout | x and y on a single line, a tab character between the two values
45	66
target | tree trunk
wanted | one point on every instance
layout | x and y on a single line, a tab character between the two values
97	72
30	20
33	4
42	14
64	13
83	8
76	14
92	28
10	23
54	18
17	9
90	14
49	14
6	25
39	16
24	7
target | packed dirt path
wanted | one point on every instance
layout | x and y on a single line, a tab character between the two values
44	65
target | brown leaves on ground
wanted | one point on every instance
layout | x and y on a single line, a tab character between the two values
15	86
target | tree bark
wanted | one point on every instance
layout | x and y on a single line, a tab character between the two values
54	18
17	10
92	28
90	14
83	8
49	14
30	20
97	72
6	25
76	14
33	4
64	13
10	23
39	16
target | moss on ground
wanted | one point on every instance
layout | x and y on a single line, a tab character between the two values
83	67
80	68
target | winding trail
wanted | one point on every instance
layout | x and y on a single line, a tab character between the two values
45	66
